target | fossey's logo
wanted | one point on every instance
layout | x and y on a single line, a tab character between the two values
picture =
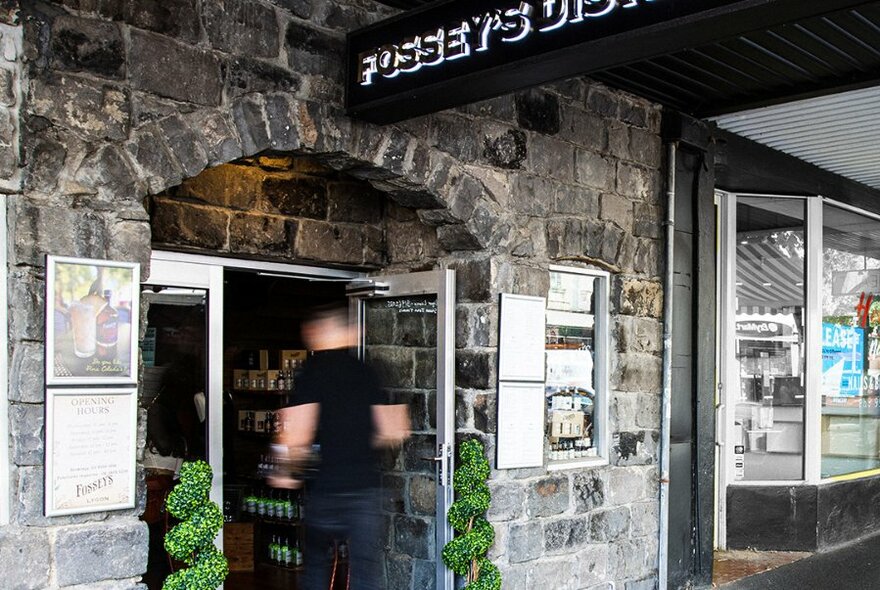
464	38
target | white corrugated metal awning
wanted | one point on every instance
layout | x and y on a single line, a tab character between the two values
838	132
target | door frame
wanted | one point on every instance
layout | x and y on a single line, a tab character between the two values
442	284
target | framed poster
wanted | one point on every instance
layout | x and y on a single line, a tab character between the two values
91	442
521	342
91	321
520	425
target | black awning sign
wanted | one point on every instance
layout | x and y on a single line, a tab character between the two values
477	33
454	52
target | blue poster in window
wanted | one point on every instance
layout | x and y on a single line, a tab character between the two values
843	349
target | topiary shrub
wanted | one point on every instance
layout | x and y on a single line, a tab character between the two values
192	540
466	553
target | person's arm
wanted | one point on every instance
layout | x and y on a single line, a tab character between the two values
300	424
391	423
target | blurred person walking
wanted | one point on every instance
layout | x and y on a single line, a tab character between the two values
339	403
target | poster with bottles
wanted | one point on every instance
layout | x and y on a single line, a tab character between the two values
91	321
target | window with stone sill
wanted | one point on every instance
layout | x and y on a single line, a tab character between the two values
576	344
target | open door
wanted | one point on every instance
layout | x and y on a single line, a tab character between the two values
407	334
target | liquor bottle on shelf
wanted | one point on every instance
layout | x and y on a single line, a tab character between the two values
287	553
297	554
282	380
107	330
273	550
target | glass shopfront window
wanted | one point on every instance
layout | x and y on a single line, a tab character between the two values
850	342
575	343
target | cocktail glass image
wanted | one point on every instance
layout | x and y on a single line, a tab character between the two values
82	319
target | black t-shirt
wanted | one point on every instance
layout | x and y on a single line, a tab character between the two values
345	388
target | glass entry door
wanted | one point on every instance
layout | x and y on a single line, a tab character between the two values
764	343
407	335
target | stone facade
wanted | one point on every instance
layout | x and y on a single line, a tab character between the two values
126	99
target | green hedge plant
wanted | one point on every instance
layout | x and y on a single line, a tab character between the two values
192	540
466	553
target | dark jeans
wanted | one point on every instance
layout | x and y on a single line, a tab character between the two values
352	516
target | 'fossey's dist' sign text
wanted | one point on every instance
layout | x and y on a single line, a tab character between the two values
478	33
457	51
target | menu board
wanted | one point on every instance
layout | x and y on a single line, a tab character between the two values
520	425
842	360
521	345
90	450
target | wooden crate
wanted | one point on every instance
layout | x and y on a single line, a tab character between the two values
238	546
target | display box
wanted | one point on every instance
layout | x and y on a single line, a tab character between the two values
272	380
241	379
566	424
264	360
258	380
261	421
291	355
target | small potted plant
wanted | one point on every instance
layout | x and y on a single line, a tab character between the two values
192	540
466	553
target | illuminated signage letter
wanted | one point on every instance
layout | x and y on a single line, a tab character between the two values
484	25
457	44
386	61
554	13
597	8
366	67
433	47
517	23
409	55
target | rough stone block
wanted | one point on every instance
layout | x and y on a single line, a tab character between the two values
646	147
504	147
394	365
300	8
558	573
26	374
618	210
502	108
92	553
426	368
27	430
473	280
591	565
354	202
96	110
635	448
474	369
393	493
410	242
216	135
414	536
24	558
548	496
281	117
149	151
633	113
7	87
485	412
526	542
602	101
398	571
645	518
298	196
639	334
538	110
551	157
458	238
455	135
637	372
594	170
424	573
638	183
645	584
588	490
185	224
248	76
475	325
26	297
583	129
249	119
173	18
241	27
184	145
154	60
648	222
565	534
423	495
647	258
641	298
108	170
415	450
508	501
261	234
233	186
86	45
607	526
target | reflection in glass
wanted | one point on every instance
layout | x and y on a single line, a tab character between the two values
769	343
850	343
570	378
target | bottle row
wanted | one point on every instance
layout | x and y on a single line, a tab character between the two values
268	380
282	552
264	421
572	449
277	504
